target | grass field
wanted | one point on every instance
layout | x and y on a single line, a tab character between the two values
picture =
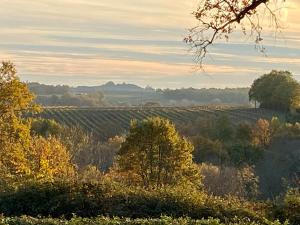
108	122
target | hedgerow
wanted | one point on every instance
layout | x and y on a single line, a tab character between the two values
90	200
25	220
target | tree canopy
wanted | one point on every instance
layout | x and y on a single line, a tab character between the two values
277	90
24	157
154	154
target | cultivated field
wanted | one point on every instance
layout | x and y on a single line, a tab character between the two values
108	122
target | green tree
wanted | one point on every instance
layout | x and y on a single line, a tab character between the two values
244	133
223	129
207	150
46	127
276	90
154	154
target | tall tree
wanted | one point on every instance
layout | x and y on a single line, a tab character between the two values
262	133
24	157
276	90
15	100
154	154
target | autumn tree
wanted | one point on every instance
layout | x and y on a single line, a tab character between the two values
24	157
218	19
15	101
154	154
262	133
49	160
276	90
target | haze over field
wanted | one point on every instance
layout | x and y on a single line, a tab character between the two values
91	42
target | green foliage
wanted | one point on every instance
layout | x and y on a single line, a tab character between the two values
223	129
105	198
289	208
154	155
241	154
163	220
276	90
207	150
45	127
244	133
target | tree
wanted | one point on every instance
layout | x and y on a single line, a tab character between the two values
276	90
49	160
24	157
220	18
262	133
223	129
207	150
244	133
154	154
15	101
224	181
46	127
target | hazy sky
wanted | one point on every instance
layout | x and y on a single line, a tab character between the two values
89	42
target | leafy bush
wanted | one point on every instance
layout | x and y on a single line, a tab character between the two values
88	200
289	208
124	221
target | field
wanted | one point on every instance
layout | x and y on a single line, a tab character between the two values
108	122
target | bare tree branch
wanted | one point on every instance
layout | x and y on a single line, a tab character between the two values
219	18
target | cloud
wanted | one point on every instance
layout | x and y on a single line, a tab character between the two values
134	40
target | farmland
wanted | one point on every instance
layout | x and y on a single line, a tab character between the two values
108	122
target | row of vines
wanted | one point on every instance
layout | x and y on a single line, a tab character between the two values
108	122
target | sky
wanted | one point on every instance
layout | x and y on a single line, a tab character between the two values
91	42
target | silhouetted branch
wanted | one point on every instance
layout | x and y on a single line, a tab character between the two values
219	18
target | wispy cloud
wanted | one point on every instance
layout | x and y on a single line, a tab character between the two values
92	41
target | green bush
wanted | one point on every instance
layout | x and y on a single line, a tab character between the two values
89	200
289	208
124	221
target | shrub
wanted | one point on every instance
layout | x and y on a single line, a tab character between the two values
124	221
92	199
289	208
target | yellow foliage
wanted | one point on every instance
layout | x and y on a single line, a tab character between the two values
22	157
49	160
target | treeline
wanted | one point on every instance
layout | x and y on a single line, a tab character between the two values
238	96
43	89
62	95
245	160
50	95
213	171
277	90
68	99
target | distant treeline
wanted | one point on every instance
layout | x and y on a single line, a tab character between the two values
129	94
211	95
61	95
44	89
